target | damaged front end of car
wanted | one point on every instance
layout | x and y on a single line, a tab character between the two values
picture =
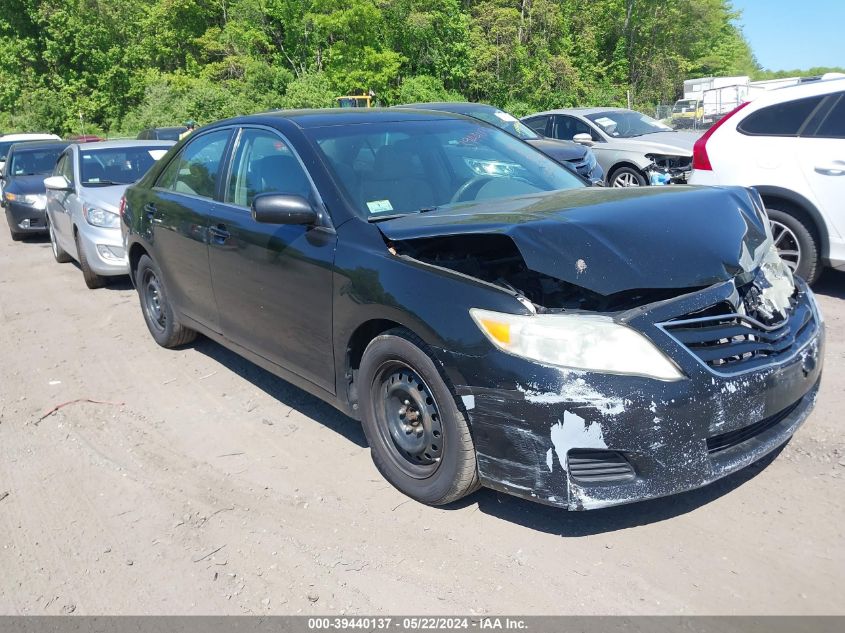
668	169
662	345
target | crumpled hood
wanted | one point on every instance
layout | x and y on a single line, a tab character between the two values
106	198
559	150
672	143
24	185
612	240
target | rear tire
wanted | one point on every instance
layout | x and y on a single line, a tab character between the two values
627	177
59	253
92	279
155	306
419	439
795	242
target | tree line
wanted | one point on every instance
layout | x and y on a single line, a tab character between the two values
117	66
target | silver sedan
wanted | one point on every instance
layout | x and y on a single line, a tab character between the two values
83	196
632	148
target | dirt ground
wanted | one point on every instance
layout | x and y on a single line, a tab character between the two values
205	485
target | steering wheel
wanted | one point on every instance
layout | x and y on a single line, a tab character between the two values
474	184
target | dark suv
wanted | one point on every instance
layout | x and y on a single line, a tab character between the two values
162	133
489	319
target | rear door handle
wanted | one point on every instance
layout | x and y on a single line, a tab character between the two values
219	233
833	168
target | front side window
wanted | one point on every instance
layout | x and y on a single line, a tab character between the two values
33	162
117	166
627	123
65	167
398	167
264	163
198	168
782	119
566	127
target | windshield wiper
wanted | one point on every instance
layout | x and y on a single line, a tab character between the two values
106	183
392	216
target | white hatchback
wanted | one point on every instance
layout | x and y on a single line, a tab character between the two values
789	144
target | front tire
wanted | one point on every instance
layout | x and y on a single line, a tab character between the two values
627	177
59	254
92	279
155	306
419	439
795	243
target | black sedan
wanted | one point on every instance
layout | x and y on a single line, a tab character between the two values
488	318
24	194
573	156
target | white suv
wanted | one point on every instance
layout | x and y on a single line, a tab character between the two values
789	144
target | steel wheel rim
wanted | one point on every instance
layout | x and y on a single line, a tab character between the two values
153	295
787	244
625	179
408	420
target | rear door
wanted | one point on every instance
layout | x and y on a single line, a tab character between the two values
179	213
273	283
822	157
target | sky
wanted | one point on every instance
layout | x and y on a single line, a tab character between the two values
789	34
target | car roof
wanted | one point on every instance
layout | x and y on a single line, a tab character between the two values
168	127
579	111
798	91
459	107
29	145
122	143
340	116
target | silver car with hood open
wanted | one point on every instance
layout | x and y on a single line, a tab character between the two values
83	198
632	148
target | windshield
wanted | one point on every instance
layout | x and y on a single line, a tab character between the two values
117	165
404	167
33	162
627	123
506	122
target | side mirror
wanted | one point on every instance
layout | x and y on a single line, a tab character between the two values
57	183
583	139
277	208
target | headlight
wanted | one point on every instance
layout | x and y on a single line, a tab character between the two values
33	199
576	341
492	167
99	217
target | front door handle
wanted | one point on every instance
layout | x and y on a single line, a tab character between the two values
219	233
833	168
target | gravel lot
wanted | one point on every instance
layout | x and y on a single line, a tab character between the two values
206	485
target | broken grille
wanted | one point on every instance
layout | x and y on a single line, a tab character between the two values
731	343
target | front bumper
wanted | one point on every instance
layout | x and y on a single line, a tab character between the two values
582	440
104	250
25	218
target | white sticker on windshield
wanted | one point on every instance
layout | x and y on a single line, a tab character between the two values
379	206
605	122
156	153
504	116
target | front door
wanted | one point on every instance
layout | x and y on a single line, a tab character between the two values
178	213
273	283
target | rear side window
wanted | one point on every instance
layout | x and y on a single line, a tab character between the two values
197	169
834	124
782	119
